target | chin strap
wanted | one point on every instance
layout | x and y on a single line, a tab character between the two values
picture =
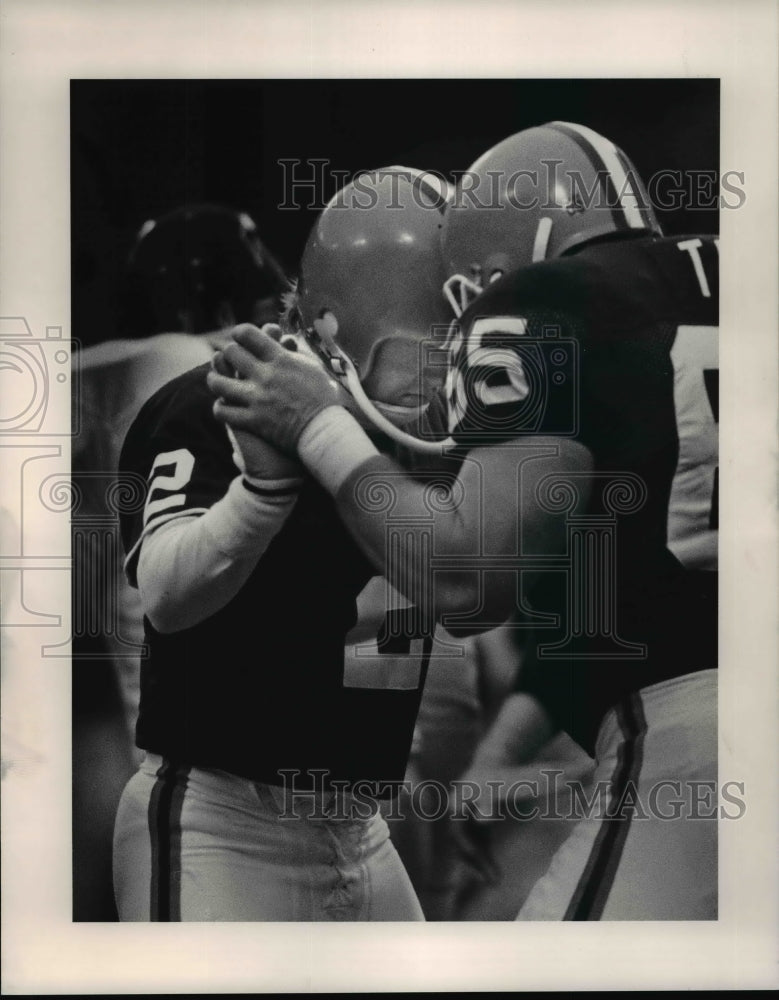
386	426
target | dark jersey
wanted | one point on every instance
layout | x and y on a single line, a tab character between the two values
614	347
259	688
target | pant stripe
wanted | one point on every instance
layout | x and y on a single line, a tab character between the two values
592	892
165	805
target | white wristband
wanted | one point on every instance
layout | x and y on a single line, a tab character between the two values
333	445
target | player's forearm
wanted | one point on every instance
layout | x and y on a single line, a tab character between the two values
393	520
191	567
371	491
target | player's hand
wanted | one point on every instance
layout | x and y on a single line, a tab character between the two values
258	460
255	458
275	392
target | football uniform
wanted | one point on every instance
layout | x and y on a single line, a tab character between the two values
116	378
250	713
616	347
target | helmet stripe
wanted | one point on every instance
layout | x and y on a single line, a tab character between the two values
602	172
541	242
438	195
627	196
637	187
606	152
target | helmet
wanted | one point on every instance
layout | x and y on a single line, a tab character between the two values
537	195
371	273
197	269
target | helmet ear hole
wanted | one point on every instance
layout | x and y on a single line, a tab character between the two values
326	325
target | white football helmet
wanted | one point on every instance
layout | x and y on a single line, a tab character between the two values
534	196
372	273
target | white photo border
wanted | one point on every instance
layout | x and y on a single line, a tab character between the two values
45	43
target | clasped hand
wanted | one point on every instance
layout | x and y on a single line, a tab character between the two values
267	392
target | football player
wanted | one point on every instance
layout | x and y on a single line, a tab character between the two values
189	273
582	381
266	755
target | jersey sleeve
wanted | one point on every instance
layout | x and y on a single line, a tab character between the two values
513	372
181	455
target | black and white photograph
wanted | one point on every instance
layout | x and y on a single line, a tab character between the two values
376	463
531	689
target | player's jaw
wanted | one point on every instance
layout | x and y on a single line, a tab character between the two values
398	381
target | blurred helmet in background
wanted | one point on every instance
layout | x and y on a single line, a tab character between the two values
197	269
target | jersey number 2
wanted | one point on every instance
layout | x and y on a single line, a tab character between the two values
181	463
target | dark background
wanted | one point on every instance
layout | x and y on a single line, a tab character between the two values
142	147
